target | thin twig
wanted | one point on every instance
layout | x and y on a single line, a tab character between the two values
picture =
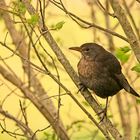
103	8
88	24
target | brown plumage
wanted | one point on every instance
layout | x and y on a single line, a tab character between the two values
100	71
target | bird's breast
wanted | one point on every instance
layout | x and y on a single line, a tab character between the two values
88	73
87	68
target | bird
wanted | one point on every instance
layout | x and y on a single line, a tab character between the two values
100	71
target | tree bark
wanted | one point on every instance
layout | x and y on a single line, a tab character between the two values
126	26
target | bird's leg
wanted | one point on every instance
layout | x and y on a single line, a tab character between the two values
104	111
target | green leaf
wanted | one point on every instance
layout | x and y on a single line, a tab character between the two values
19	7
136	68
58	26
138	101
125	49
122	54
33	20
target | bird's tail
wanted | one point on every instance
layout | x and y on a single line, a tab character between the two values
124	84
132	91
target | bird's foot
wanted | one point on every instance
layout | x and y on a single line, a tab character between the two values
102	117
81	87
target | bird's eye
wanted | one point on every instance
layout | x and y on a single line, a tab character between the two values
87	49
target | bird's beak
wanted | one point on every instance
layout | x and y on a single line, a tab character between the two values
75	49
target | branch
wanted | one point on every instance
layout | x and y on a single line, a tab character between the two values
126	26
132	19
106	11
61	57
20	43
124	120
36	101
107	21
78	20
138	1
62	86
27	131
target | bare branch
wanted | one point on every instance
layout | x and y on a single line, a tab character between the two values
61	57
27	131
78	20
134	42
104	9
132	19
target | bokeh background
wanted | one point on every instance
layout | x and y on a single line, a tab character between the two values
78	125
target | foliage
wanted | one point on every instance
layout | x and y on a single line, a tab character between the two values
19	7
123	54
136	68
138	101
33	20
58	25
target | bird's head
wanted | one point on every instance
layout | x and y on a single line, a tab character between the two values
89	50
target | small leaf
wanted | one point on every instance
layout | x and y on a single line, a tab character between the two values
125	49
33	20
122	54
138	101
58	26
136	68
21	8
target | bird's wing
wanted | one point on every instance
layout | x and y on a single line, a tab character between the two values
109	62
112	66
123	82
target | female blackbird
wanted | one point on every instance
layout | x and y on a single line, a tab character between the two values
100	71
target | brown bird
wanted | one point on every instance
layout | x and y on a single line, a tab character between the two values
100	71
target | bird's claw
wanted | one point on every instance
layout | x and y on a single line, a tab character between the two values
81	87
104	112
